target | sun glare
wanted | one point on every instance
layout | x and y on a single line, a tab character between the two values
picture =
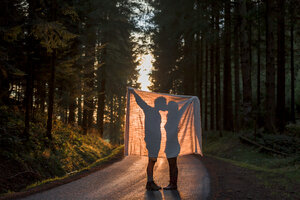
144	70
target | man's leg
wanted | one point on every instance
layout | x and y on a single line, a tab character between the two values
173	169
150	182
150	168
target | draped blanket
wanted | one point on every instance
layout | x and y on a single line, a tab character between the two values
159	125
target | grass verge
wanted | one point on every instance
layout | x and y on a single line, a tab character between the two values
27	160
47	184
273	171
116	153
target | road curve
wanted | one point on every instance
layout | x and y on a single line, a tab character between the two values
126	179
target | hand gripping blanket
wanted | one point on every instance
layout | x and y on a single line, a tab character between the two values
159	125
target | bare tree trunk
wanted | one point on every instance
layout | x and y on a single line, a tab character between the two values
88	105
212	80
201	74
270	68
79	103
227	114
206	87
84	115
51	95
111	120
280	66
72	107
245	66
198	66
42	97
52	80
258	61
101	73
292	21
29	73
236	55
28	96
217	74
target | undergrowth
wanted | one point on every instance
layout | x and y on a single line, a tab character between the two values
26	161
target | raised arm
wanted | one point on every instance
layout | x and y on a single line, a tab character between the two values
139	100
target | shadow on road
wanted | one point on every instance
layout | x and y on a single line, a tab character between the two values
151	195
168	195
172	195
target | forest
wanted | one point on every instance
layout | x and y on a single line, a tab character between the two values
65	67
238	57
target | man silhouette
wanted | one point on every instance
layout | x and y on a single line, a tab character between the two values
152	133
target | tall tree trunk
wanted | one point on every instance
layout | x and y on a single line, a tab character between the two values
88	104
280	66
258	60
201	73
79	103
292	21
227	114
84	123
198	66
52	79
28	95
270	68
51	94
236	55
28	100
249	7
212	80
91	55
72	108
217	74
101	103
245	66
88	107
42	96
101	75
206	86
79	107
198	52
111	120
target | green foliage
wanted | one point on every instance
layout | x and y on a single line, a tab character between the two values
70	151
13	33
87	37
53	35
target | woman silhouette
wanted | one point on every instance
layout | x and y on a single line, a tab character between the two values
172	145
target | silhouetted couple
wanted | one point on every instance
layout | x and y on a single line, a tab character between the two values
153	136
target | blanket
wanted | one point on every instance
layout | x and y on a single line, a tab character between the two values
162	125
